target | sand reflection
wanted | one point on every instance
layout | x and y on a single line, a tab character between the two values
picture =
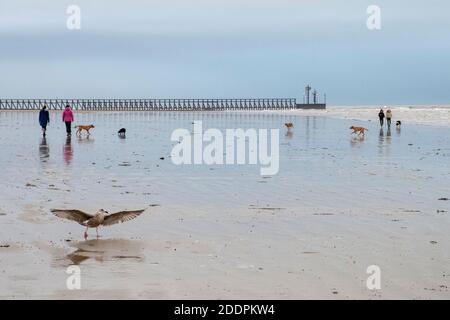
105	250
85	140
356	140
44	150
388	135
68	151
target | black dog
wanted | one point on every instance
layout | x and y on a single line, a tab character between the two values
398	124
122	132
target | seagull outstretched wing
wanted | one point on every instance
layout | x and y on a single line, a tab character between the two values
121	216
74	215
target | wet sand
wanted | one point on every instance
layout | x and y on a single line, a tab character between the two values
426	115
338	205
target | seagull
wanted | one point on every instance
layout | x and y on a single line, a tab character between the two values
100	218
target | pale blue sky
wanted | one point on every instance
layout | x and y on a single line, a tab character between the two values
227	48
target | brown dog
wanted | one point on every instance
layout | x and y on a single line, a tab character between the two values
289	125
86	128
358	130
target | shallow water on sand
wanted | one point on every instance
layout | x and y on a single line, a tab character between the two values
321	164
213	228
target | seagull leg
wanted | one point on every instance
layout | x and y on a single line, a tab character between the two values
85	233
96	229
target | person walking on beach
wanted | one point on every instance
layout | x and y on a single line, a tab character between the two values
44	119
381	117
68	118
389	117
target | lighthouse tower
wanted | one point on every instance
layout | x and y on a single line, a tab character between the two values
315	100
307	90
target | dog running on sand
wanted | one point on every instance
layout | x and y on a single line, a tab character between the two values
289	125
86	128
358	130
122	132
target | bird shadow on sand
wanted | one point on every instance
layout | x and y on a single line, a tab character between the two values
103	250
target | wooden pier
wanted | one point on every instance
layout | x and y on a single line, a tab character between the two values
150	104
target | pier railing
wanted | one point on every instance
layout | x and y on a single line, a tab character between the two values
149	104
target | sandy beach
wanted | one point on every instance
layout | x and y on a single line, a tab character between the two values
338	205
438	115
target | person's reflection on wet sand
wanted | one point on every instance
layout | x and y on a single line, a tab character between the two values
381	137
44	150
68	151
388	135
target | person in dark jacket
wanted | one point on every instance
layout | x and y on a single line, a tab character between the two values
44	119
381	117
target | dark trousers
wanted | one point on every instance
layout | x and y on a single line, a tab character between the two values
68	127
388	121
381	121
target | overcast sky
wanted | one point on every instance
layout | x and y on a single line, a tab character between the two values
226	49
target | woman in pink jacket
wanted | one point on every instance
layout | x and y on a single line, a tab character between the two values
68	118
